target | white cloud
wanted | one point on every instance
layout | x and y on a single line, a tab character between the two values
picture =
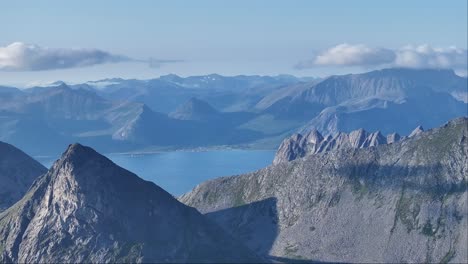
352	55
425	56
19	56
422	56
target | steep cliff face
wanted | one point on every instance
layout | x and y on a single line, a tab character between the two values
17	173
87	209
401	202
298	146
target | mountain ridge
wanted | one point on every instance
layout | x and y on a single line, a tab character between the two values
87	209
312	142
400	202
253	111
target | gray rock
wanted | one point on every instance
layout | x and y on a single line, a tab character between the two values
418	130
298	146
401	202
87	209
393	137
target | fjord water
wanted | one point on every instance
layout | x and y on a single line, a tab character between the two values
179	171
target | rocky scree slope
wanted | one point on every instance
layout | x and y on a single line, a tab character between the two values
401	202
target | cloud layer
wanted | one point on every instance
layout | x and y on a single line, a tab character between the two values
422	56
19	56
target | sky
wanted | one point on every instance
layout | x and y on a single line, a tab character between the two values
76	41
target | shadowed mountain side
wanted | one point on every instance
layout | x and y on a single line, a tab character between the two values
300	110
17	172
255	224
150	129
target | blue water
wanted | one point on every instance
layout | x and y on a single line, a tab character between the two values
178	172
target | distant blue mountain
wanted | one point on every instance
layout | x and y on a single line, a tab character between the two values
198	111
165	94
391	100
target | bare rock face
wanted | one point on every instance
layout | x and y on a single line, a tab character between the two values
314	137
87	209
392	138
17	173
298	146
395	203
418	130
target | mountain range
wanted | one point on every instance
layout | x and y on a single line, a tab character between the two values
367	198
298	146
389	203
173	112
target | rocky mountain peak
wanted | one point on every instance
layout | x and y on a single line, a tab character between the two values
77	156
296	147
358	137
393	137
416	131
76	150
194	109
62	86
88	209
314	137
376	139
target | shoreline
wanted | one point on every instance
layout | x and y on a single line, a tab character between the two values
167	150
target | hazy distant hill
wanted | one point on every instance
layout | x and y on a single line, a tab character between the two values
195	109
43	120
17	173
375	101
165	94
241	111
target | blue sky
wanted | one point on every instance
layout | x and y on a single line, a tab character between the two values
235	37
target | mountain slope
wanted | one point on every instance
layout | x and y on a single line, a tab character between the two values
17	173
402	202
43	120
388	84
298	145
384	115
195	109
374	101
87	209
